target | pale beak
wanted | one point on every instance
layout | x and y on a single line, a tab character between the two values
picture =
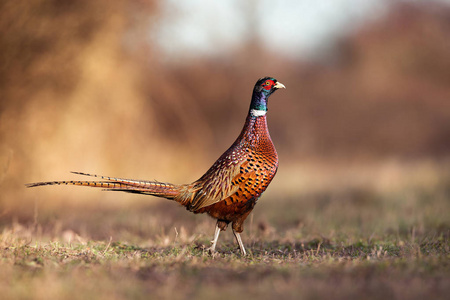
279	85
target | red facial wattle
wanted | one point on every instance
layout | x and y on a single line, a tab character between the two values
268	84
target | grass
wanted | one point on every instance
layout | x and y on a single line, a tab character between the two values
312	269
335	242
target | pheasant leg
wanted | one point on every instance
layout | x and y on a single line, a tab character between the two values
239	240
214	242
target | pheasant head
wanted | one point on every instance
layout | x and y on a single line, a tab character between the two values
264	87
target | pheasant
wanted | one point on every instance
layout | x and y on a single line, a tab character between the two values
228	191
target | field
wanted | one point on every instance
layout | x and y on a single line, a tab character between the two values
339	233
360	206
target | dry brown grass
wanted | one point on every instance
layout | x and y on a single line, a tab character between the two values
350	239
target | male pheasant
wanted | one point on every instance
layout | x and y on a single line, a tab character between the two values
228	191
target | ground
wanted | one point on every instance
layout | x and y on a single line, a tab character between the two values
343	241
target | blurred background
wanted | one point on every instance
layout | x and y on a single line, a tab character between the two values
159	89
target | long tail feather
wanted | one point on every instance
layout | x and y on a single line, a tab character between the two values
155	188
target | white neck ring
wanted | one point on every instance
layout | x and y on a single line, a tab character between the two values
258	113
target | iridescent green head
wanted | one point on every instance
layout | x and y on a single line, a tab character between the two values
264	87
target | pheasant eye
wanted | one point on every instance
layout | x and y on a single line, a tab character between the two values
267	82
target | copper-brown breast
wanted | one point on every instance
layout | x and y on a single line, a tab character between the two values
255	173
